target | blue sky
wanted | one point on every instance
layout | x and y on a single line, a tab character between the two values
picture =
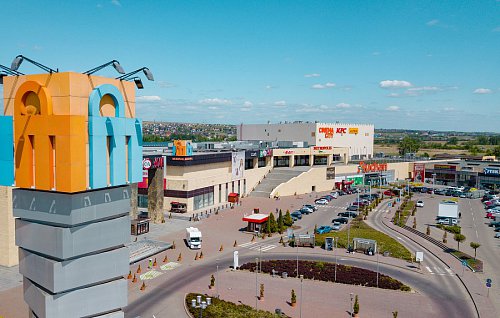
396	64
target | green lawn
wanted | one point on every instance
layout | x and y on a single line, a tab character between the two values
360	229
225	309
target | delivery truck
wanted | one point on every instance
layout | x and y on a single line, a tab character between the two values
193	238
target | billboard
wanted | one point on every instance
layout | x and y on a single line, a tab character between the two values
237	164
330	173
445	167
358	179
419	172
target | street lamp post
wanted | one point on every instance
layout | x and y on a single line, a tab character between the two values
433	182
297	247
201	304
256	282
335	253
300	308
217	277
376	251
352	298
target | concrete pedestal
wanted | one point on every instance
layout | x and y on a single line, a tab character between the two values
72	253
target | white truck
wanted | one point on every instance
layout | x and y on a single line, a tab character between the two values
193	237
448	213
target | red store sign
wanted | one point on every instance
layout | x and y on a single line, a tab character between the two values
372	167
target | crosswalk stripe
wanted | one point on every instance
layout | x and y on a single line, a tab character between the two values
247	244
267	248
449	271
430	271
438	270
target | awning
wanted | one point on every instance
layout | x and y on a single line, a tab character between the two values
256	218
233	194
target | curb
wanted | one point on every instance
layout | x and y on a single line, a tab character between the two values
185	307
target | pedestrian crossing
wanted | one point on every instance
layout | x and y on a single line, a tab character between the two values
257	247
440	271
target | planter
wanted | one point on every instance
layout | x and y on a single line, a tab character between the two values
293	304
210	286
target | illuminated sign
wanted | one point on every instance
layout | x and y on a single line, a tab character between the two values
341	130
491	171
181	158
327	131
445	167
372	167
152	162
322	148
353	131
288	152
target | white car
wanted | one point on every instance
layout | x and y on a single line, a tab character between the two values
495	209
336	226
420	204
334	194
321	201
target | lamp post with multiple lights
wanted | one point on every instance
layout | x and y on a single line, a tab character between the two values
201	304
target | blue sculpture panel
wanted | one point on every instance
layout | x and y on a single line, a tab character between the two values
6	151
120	133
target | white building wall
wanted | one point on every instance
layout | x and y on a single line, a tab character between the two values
358	138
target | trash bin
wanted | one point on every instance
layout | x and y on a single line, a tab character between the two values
386	253
284	275
277	311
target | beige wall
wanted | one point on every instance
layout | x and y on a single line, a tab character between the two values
304	182
8	248
254	176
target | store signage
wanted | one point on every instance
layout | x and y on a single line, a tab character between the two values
288	152
152	162
327	131
253	154
266	153
491	171
371	167
341	130
322	148
181	158
445	167
353	131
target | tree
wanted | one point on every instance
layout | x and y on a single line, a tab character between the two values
293	298
355	308
268	226
459	238
453	141
475	246
288	221
409	145
428	232
272	223
281	224
444	237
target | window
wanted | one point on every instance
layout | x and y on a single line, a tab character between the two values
262	162
220	193
203	200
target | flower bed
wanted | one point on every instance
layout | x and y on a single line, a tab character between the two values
223	309
474	263
326	272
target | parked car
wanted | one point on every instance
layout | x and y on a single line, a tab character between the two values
420	204
497	229
494	209
310	206
446	221
348	214
341	220
321	201
497	235
340	192
439	191
352	208
324	229
388	193
492	215
494	223
334	194
305	210
360	202
296	214
336	226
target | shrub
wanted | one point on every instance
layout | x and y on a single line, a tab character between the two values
293	298
355	308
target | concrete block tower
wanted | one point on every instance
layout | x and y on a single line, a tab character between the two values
77	147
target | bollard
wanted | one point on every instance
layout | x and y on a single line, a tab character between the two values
143	287
165	259
253	238
139	269
235	243
179	259
154	263
129	275
221	248
196	257
134	280
201	254
173	245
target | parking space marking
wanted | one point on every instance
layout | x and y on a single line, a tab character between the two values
257	247
430	271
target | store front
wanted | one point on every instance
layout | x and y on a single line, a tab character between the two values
281	161
320	160
301	160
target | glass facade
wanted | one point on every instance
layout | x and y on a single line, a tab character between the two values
203	200
262	162
320	160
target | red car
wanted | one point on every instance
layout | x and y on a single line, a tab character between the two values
492	215
388	193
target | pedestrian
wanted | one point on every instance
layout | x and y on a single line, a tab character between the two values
459	215
150	263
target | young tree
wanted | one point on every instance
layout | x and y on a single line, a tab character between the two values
355	308
268	226
293	298
288	221
459	238
444	237
272	223
475	246
409	144
428	232
281	224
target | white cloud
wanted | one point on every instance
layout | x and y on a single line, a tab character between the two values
247	104
312	75
343	105
375	53
245	109
393	108
432	22
483	91
323	86
393	95
395	84
280	103
152	98
323	107
425	88
213	107
215	101
116	3
270	87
